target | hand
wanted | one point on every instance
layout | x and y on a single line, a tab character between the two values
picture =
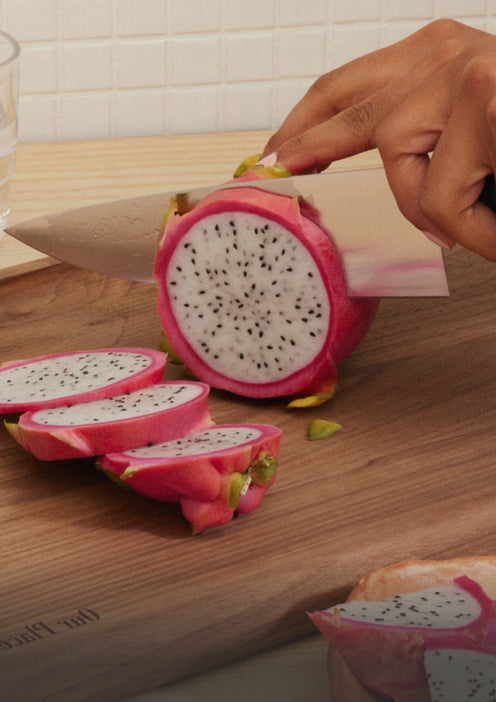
428	103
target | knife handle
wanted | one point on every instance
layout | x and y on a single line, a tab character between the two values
488	194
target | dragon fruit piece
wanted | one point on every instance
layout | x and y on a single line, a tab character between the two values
212	473
383	642
77	376
156	413
252	297
458	674
240	493
203	514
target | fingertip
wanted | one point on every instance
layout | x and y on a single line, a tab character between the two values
443	242
268	161
298	158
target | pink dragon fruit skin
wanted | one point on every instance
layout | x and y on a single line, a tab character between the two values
212	474
156	413
259	328
77	376
387	657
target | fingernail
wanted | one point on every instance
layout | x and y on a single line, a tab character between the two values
268	161
440	242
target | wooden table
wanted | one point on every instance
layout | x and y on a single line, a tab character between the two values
105	590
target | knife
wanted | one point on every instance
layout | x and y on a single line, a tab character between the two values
381	253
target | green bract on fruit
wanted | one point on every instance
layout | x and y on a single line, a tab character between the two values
251	294
212	474
156	413
78	376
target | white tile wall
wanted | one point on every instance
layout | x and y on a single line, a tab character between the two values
109	68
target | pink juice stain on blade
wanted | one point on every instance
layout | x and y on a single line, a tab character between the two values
415	277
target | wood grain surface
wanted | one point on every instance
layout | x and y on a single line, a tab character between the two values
104	593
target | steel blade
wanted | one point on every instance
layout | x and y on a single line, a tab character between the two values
382	254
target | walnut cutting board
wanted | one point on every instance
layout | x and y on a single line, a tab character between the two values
104	593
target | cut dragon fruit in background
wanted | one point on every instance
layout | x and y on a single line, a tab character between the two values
156	413
252	297
77	376
212	474
465	674
383	642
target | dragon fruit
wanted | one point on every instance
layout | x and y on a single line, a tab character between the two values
212	473
251	294
462	673
156	413
383	642
78	376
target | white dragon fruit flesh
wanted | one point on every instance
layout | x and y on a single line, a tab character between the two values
78	376
463	674
252	297
383	642
212	473
156	413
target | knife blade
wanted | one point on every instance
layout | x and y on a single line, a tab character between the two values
382	254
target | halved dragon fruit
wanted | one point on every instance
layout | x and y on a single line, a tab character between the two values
461	674
213	473
252	297
77	376
156	413
383	642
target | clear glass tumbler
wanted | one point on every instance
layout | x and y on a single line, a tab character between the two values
9	101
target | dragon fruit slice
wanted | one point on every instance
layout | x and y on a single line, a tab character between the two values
212	473
156	413
77	376
252	297
383	642
461	674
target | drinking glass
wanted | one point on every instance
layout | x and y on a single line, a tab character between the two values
9	99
